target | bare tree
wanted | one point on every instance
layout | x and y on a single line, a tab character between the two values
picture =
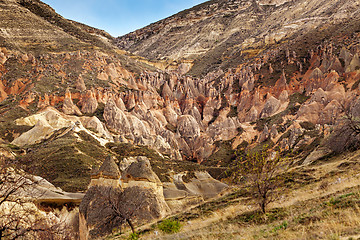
107	208
261	170
129	209
119	213
346	136
19	217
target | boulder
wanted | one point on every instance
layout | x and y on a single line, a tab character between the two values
272	105
316	155
94	124
188	127
40	131
202	185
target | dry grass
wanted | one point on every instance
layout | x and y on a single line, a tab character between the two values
334	224
325	208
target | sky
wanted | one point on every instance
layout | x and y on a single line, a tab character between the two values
119	17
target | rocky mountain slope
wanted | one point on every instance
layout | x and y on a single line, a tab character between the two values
69	97
225	33
39	28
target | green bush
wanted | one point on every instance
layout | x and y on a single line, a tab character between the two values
170	226
133	236
283	225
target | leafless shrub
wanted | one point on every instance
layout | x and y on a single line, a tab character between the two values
108	209
19	216
346	135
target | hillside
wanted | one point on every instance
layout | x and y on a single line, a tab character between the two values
226	33
233	77
38	28
319	201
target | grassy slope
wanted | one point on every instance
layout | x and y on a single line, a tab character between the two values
65	161
48	14
322	202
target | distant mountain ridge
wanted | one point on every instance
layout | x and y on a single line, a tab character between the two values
31	25
223	34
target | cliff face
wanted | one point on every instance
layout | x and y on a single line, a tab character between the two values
226	33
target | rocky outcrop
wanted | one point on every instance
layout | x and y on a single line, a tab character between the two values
178	199
188	127
49	120
316	155
116	119
140	170
89	103
36	188
107	175
139	174
27	195
98	127
95	209
110	202
270	108
40	131
69	107
202	185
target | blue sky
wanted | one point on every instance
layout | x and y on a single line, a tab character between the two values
119	17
